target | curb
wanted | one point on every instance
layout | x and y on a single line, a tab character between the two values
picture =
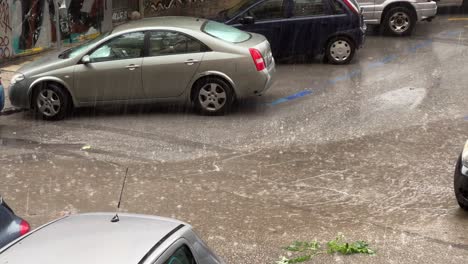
10	111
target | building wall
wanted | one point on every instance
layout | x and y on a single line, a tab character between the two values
197	8
27	25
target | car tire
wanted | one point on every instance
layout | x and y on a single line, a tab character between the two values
460	186
399	21
51	102
212	96
340	50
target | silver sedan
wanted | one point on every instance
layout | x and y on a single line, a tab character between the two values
165	59
97	238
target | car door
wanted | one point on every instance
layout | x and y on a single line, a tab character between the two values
173	59
114	70
269	19
310	20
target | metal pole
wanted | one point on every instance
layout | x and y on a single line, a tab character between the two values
58	37
141	6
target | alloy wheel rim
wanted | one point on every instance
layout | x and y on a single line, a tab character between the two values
212	97
48	102
340	50
399	22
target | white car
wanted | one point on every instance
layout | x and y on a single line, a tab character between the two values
102	238
397	17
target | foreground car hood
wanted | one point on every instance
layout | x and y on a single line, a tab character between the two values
46	62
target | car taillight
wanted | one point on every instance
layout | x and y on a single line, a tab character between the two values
351	6
24	227
258	59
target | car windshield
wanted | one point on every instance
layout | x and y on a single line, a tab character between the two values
225	32
240	6
73	52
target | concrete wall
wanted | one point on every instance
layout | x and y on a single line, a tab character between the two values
198	8
29	25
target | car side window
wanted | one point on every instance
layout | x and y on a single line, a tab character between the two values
182	255
338	7
270	9
172	42
126	46
303	8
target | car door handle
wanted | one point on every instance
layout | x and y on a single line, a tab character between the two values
191	62
132	67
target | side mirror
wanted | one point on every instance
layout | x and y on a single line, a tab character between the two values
86	59
247	20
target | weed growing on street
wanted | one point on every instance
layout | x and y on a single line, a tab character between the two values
307	250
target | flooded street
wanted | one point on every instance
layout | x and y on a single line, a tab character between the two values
366	149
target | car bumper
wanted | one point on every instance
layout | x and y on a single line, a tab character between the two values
426	10
18	94
268	75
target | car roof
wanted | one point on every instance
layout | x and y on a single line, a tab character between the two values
191	23
91	238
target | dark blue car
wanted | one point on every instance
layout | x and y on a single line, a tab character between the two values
11	226
302	27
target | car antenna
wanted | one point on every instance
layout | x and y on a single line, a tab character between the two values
116	219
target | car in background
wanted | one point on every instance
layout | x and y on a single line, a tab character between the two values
397	17
162	59
461	178
11	225
96	238
302	27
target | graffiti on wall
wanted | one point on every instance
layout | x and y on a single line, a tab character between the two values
28	24
119	15
5	29
154	6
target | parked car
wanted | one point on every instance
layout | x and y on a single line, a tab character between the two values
397	17
302	27
11	226
461	178
133	239
176	59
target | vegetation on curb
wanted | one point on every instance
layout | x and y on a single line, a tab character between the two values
303	251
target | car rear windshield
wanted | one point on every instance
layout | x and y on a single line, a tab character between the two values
225	32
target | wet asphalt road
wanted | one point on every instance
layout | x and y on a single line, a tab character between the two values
366	149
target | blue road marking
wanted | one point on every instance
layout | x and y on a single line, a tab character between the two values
370	65
291	97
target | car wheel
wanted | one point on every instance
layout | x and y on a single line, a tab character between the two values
51	102
399	21
460	186
213	96
340	50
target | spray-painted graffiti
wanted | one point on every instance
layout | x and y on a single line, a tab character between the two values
154	6
5	29
29	24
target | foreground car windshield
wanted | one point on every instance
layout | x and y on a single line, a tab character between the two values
224	32
73	52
